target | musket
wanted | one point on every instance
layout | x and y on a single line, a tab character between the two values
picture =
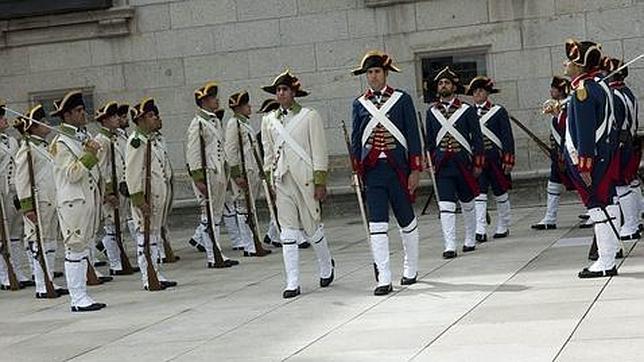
125	261
272	207
4	234
49	285
251	219
358	187
219	258
542	145
153	280
430	170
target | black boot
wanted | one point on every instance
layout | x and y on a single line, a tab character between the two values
587	274
383	290
408	281
481	238
325	282
291	293
449	254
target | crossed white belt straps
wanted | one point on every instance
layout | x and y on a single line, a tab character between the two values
379	116
284	136
447	126
488	132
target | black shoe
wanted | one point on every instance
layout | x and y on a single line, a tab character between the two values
467	249
304	245
587	274
325	282
168	283
267	240
5	287
584	216
105	279
196	245
383	290
62	291
619	254
544	226
148	289
58	293
276	244
449	254
291	293
58	274
27	283
252	253
100	263
481	238
501	235
634	236
238	248
408	281
89	308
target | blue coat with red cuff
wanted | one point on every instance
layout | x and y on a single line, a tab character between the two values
499	124
403	116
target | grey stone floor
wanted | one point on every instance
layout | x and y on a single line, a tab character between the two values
517	299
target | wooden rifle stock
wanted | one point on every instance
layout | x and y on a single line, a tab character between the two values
272	207
6	255
125	261
153	280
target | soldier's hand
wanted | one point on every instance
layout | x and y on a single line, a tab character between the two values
507	168
92	147
201	186
412	181
112	200
241	182
320	193
476	171
585	176
31	215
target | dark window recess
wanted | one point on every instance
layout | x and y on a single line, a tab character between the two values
467	66
47	100
12	9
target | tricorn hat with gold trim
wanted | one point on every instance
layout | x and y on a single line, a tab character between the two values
123	109
238	99
140	109
585	54
289	80
609	65
483	82
268	105
36	113
70	101
375	59
208	89
449	74
107	110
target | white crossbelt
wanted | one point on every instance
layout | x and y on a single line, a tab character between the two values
378	116
554	132
285	137
447	126
488	132
609	113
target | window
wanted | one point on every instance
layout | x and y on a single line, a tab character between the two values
47	100
468	64
11	9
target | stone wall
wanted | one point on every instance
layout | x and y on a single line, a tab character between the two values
173	46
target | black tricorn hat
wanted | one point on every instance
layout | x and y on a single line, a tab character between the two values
238	99
123	109
268	105
449	74
25	122
146	105
561	83
483	82
70	101
375	59
107	110
609	65
208	89
586	54
289	80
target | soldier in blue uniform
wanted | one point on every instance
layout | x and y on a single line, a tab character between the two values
456	145
386	148
498	142
589	151
559	179
628	151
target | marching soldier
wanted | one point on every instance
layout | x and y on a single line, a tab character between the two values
273	234
108	137
456	145
589	152
559	179
628	151
387	150
121	142
239	128
147	120
209	175
35	146
76	176
498	142
296	158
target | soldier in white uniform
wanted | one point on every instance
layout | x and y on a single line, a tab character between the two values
121	141
34	143
8	149
206	125
147	119
76	177
238	127
107	137
296	158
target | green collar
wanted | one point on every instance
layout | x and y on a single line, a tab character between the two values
142	132
107	132
294	109
68	129
241	117
37	140
211	116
